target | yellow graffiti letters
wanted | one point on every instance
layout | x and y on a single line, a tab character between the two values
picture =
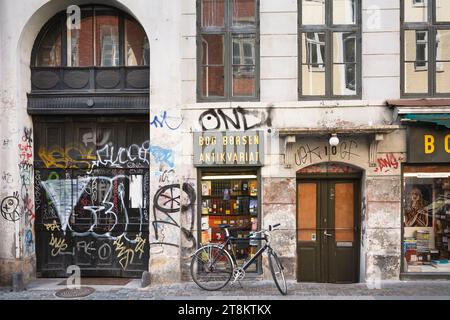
76	157
59	245
125	255
51	226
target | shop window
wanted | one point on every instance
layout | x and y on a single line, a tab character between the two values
425	48
230	198
228	46
330	48
426	219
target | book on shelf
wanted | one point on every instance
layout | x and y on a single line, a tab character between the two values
205	223
253	186
206	236
206	188
253	207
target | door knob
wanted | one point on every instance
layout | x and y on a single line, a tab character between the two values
327	234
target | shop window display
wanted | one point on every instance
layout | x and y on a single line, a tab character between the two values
230	199
426	219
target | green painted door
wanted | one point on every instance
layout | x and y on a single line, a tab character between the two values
328	230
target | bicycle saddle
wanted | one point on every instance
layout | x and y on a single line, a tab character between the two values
224	226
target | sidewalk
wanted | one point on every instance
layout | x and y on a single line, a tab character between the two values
44	289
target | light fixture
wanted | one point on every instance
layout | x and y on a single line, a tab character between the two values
230	177
334	140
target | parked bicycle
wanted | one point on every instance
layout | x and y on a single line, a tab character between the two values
214	265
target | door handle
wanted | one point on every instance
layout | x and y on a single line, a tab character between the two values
327	234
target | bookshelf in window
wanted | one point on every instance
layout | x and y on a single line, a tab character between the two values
233	202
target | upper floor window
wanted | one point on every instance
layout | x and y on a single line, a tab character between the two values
329	48
425	47
228	50
105	37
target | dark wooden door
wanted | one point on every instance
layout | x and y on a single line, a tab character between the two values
328	230
91	196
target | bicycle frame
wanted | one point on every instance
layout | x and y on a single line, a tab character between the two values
247	264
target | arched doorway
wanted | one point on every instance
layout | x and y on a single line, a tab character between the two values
89	102
328	223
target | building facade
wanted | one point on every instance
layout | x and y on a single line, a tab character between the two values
131	129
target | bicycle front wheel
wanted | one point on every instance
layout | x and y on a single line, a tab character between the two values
211	268
277	272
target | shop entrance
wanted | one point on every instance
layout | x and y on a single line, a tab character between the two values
91	195
328	228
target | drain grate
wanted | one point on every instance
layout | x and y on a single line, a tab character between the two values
74	293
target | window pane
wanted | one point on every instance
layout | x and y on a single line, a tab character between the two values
243	81
244	50
344	11
49	52
344	209
307	211
313	80
344	47
213	81
344	79
416	77
213	13
416	10
107	40
313	48
313	12
213	50
80	49
442	45
243	12
443	77
137	51
442	10
416	45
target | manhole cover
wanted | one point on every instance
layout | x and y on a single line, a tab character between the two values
74	293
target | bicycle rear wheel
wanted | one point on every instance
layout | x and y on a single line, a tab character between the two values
277	272
211	268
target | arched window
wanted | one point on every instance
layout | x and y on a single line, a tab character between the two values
90	59
104	37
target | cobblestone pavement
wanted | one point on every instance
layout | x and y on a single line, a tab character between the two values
44	289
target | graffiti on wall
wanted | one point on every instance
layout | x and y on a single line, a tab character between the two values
25	147
388	162
307	154
168	201
10	207
238	119
92	197
72	156
165	121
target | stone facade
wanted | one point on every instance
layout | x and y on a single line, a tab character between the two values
171	28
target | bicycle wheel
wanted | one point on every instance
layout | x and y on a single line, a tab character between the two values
211	268
277	272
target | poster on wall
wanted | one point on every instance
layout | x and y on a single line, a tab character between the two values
418	205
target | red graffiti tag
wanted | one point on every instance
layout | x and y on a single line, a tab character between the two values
388	162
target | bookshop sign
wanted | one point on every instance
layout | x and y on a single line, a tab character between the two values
427	145
228	148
